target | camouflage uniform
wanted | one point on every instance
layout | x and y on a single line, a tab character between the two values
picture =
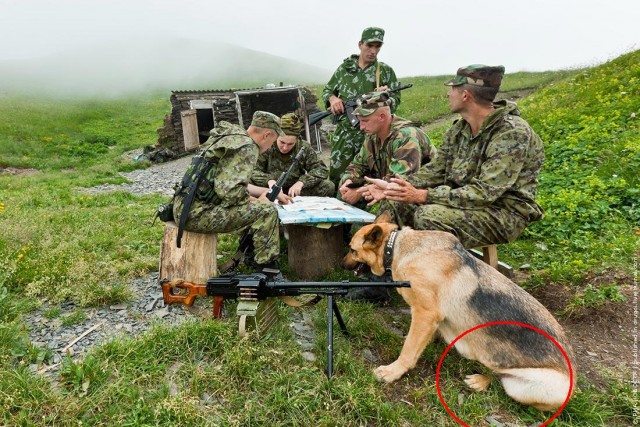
481	188
403	152
230	210
350	81
311	171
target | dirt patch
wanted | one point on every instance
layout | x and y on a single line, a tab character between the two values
9	170
601	336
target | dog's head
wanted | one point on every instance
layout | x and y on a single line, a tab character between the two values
367	245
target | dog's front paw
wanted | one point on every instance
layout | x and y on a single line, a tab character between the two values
389	373
478	382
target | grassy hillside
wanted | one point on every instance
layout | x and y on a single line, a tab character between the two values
58	243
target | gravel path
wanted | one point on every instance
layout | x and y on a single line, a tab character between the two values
53	328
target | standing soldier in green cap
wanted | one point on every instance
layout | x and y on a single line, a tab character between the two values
356	76
308	178
482	184
392	146
222	203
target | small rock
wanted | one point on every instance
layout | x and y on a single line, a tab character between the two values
525	267
368	354
592	354
460	398
492	421
162	313
308	356
118	307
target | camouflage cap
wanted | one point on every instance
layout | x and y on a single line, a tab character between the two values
291	124
370	102
372	34
478	75
262	119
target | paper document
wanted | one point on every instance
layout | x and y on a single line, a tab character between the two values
313	203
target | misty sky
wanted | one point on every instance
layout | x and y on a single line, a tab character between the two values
424	37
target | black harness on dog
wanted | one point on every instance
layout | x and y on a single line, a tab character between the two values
387	257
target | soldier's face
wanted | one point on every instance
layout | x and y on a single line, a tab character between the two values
267	139
371	124
286	143
369	51
456	95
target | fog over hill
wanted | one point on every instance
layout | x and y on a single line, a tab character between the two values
135	66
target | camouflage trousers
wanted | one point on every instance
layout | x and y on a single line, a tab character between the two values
261	218
346	142
473	227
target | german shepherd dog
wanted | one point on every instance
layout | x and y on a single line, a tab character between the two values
451	292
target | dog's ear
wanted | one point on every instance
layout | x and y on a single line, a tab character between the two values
384	217
373	238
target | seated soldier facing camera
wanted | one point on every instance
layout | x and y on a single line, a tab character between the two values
392	146
308	177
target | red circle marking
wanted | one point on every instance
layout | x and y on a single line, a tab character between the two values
484	325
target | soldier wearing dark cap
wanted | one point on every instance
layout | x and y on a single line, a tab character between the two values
357	75
482	184
392	146
308	178
222	203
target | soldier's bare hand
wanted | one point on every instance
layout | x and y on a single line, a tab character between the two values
379	183
284	199
381	88
296	189
336	104
350	195
371	194
400	190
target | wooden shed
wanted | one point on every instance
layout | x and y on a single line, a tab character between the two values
195	112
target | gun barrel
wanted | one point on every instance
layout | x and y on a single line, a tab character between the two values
328	285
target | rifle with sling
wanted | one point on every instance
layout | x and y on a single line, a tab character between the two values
250	289
272	195
349	106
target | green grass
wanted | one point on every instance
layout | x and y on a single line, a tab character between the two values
58	244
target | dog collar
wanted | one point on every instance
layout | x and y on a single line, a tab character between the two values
387	257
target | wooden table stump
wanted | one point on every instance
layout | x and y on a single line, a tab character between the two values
314	251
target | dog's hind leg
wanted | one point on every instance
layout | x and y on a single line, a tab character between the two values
543	388
424	324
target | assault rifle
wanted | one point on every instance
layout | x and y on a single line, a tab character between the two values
349	106
250	289
246	240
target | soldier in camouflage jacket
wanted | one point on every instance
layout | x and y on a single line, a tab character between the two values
482	184
309	176
356	76
392	146
228	206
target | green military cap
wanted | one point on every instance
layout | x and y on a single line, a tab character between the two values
291	124
373	34
478	75
370	102
262	119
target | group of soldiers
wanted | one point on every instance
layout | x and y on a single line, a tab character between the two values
479	185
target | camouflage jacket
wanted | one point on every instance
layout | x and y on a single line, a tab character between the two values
310	170
403	152
350	81
498	167
234	157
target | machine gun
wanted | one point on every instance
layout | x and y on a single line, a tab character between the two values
251	289
246	239
349	106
